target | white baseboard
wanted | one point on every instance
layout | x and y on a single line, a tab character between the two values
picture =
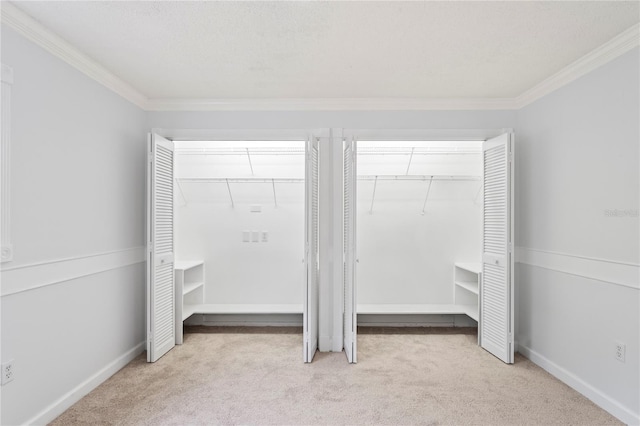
602	400
76	394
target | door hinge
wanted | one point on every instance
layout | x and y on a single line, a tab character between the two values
510	247
511	338
306	337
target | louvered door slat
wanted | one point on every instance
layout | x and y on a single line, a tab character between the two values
349	223
160	276
496	290
311	293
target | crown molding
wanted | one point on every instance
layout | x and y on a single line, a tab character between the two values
615	47
28	27
54	44
328	104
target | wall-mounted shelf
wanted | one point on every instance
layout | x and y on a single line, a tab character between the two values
250	309
411	309
466	287
189	292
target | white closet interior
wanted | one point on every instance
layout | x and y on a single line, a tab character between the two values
240	208
419	211
233	233
428	229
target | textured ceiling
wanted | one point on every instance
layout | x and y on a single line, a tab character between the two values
383	49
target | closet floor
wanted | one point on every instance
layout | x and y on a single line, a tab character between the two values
256	376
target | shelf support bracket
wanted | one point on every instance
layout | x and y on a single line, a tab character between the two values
250	164
410	158
273	185
233	206
475	200
373	196
424	205
181	192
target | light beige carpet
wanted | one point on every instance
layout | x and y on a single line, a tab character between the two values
416	378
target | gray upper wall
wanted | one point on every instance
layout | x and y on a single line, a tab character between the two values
77	152
339	119
578	158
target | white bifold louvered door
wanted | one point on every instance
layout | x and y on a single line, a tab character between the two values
496	290
160	257
311	290
349	223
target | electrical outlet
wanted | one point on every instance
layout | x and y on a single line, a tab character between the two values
8	373
621	348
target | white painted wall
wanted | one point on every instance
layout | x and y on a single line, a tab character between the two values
208	228
577	154
78	155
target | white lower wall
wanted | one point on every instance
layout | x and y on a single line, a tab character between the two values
60	336
569	325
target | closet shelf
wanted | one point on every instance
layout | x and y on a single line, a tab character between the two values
240	180
476	268
189	287
187	264
417	151
225	308
466	282
188	310
240	151
468	285
385	309
418	177
471	311
300	180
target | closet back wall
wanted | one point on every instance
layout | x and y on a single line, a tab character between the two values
210	228
405	256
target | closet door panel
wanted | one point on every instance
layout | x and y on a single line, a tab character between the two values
311	292
496	292
349	223
160	260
